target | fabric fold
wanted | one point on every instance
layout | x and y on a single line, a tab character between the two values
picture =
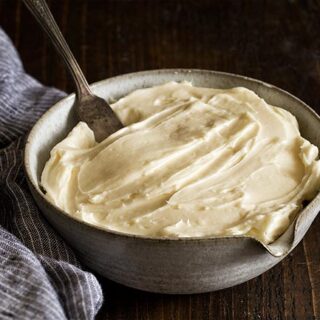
40	277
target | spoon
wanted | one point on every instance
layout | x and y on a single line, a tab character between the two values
95	111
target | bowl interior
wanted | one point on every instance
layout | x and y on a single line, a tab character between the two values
57	122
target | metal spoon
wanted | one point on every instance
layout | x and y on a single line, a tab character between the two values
95	111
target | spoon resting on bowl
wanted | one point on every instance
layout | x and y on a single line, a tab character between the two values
95	111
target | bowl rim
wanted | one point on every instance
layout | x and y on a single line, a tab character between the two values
100	229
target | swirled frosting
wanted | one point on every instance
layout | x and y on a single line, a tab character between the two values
191	162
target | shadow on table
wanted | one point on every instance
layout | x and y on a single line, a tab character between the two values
121	302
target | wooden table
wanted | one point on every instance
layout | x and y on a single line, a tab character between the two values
275	41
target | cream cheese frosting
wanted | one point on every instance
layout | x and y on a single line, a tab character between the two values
191	162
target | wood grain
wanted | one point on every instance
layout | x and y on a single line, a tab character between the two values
275	41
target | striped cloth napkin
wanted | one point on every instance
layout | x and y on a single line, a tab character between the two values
40	277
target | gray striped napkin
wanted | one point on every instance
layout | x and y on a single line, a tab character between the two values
40	277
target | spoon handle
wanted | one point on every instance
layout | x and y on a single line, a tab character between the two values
42	13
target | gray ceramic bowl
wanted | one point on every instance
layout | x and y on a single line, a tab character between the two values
166	265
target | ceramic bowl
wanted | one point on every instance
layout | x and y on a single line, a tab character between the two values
166	265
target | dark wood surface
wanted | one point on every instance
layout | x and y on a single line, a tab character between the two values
276	41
